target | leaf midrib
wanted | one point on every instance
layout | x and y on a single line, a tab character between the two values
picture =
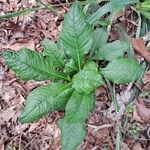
40	70
45	100
76	42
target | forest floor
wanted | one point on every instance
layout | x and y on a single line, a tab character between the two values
29	31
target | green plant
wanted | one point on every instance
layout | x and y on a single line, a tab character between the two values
134	130
113	7
70	64
144	8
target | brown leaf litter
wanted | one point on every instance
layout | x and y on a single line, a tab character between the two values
28	31
143	110
141	49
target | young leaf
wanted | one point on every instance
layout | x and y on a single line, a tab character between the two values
87	79
76	34
79	106
70	67
112	50
45	99
51	50
122	70
30	65
72	134
100	38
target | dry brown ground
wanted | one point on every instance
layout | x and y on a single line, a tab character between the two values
29	31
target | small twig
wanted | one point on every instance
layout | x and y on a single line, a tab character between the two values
100	127
20	13
29	143
58	148
65	4
13	139
20	142
94	148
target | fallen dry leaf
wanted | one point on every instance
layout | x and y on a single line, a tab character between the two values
137	146
146	77
19	45
33	126
1	144
146	81
6	115
122	100
136	116
124	146
143	111
140	48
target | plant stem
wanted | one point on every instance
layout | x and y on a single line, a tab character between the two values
29	10
113	95
102	11
20	13
118	139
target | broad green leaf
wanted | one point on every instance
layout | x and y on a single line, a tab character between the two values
45	99
30	65
112	50
100	38
122	70
76	35
70	67
62	48
72	134
51	50
87	79
79	106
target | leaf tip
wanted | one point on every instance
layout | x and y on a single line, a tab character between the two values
7	54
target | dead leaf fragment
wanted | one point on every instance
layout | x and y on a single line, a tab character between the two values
19	45
143	111
137	146
146	77
1	144
6	115
124	146
136	116
140	48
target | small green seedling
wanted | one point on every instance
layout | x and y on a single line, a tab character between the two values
70	64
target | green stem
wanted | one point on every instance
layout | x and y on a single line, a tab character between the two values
20	13
118	139
102	11
29	10
113	95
